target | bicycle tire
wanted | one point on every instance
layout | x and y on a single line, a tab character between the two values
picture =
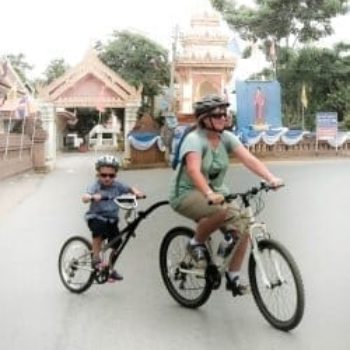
61	265
297	314
174	233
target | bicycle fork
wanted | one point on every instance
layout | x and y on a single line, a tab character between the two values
254	237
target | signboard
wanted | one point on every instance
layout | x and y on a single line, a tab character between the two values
326	126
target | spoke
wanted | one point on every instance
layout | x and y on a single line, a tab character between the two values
177	253
76	265
280	300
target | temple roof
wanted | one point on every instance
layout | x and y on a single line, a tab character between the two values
9	79
90	84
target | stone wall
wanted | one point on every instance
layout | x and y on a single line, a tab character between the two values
22	153
305	148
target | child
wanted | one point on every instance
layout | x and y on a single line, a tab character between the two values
102	216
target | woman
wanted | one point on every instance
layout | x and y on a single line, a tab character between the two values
204	160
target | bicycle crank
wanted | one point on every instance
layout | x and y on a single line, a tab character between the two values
213	276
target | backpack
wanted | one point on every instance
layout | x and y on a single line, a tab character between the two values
176	158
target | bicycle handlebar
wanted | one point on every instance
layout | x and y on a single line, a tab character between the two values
122	199
250	193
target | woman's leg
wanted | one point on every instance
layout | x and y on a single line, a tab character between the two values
209	217
240	251
208	225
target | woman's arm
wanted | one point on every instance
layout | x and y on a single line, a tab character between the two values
256	166
193	169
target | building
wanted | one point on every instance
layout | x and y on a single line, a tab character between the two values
92	89
204	64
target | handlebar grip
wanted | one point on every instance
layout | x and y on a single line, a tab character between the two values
212	203
103	198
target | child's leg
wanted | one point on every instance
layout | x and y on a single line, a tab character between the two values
96	246
96	227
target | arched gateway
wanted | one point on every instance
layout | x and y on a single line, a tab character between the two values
90	88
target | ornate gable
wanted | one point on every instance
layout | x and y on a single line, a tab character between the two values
91	83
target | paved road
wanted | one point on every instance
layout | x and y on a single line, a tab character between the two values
310	217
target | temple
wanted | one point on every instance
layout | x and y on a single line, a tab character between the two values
205	64
91	90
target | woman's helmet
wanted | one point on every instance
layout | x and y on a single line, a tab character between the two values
209	103
107	160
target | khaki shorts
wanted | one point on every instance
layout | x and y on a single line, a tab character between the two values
195	206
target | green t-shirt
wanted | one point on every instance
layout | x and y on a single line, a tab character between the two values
215	162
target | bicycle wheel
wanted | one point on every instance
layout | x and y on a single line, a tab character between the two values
74	264
281	303
185	283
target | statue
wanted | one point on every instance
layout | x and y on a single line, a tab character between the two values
259	103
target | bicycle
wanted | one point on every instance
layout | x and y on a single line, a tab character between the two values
75	258
272	270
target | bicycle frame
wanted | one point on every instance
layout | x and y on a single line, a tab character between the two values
256	232
129	230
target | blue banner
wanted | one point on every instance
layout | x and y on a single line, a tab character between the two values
258	105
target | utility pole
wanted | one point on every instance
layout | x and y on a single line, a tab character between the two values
172	72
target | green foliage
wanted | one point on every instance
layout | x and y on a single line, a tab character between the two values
138	60
347	122
304	20
325	72
56	68
20	65
247	52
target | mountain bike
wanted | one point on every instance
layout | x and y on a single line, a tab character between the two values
75	258
274	277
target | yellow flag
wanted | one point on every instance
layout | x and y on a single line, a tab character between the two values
303	97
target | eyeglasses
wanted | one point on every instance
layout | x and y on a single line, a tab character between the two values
218	115
105	175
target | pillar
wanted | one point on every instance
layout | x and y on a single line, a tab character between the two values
129	122
48	118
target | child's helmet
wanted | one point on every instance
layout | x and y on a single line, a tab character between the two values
209	103
107	160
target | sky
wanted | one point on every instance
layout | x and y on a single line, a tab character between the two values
48	29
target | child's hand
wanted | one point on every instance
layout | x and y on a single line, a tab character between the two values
96	197
138	193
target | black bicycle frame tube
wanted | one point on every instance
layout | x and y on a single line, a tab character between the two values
131	228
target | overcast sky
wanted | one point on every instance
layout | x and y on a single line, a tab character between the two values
47	29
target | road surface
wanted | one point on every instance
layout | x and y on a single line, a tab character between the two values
39	212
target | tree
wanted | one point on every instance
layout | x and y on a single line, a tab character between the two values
56	68
138	60
300	20
20	65
325	72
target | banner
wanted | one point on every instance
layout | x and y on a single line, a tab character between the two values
144	141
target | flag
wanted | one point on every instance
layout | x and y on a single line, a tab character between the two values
303	97
22	110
